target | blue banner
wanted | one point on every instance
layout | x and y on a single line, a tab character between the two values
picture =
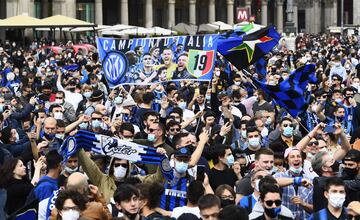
154	60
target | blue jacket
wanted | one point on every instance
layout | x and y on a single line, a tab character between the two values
46	187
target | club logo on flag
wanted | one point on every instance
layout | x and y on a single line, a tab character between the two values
200	62
115	65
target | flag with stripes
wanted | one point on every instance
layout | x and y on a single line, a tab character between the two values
290	93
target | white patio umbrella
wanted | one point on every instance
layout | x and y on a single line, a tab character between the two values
185	28
209	28
159	31
222	26
120	27
137	31
85	29
112	33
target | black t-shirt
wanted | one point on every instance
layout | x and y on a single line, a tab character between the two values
219	177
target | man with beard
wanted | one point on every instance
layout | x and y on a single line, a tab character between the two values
167	56
181	71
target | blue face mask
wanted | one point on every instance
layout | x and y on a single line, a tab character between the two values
87	94
83	126
118	100
151	137
49	136
295	170
182	105
288	131
95	123
230	160
181	167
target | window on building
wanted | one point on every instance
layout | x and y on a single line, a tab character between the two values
85	11
37	9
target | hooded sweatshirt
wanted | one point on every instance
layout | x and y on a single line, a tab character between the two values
258	210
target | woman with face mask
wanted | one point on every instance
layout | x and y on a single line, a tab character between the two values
70	204
226	194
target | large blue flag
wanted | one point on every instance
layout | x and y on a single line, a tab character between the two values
290	93
246	49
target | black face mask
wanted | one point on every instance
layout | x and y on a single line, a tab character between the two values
226	202
335	167
272	212
350	173
130	215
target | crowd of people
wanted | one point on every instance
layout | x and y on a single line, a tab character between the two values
233	152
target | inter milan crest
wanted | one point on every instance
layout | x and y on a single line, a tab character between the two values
115	65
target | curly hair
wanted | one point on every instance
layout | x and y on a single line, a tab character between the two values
77	198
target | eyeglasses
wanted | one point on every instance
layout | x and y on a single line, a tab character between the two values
121	164
286	125
271	202
175	129
335	79
314	143
59	97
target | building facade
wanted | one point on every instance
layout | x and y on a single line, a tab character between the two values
309	16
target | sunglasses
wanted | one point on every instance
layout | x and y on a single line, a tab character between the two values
175	129
152	130
316	143
286	125
271	202
121	164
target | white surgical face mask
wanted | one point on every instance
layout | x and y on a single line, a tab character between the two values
70	214
119	172
58	115
336	199
264	132
69	170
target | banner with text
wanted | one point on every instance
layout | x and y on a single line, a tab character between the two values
153	60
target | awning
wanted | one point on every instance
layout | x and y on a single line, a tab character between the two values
21	21
63	21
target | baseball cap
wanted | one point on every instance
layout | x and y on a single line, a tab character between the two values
183	152
352	155
290	149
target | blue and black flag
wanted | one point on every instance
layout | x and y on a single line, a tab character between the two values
246	49
290	93
260	66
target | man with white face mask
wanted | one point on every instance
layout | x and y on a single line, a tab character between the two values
67	109
335	195
297	198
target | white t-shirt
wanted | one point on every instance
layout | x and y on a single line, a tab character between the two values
185	209
308	171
